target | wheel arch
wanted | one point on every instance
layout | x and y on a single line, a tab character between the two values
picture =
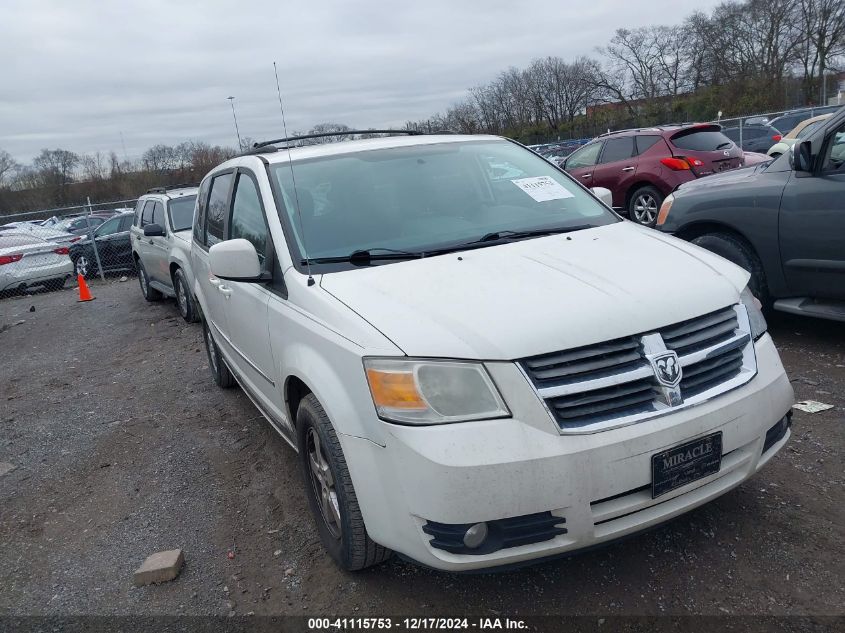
639	185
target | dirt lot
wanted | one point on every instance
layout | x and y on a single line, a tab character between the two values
122	446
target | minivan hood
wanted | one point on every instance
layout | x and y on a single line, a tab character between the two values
539	295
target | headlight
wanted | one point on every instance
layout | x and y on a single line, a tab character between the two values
432	391
755	313
664	209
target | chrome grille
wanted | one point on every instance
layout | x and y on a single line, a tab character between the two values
612	384
585	363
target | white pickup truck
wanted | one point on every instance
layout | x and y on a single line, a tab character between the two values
478	362
161	243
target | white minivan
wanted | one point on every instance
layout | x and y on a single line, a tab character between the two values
478	363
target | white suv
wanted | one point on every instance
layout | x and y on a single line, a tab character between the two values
161	245
478	362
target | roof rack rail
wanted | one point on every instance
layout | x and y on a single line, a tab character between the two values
326	134
169	188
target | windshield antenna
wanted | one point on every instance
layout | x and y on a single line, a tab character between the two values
293	179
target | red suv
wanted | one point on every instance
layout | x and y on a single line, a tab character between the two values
643	166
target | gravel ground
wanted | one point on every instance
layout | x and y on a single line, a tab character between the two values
123	446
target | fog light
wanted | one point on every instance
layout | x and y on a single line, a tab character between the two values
475	535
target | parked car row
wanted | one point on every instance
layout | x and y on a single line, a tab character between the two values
389	303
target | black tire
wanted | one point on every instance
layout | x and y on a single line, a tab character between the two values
738	251
223	377
644	204
184	299
343	533
150	294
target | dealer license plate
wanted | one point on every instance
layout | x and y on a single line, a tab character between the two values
686	463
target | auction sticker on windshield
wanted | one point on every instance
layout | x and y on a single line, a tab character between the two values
542	188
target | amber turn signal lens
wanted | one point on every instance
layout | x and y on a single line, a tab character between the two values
664	210
394	390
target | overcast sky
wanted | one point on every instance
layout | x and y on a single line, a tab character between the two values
76	74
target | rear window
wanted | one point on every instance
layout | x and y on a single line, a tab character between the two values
701	140
182	212
645	143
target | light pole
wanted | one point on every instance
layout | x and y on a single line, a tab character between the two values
232	102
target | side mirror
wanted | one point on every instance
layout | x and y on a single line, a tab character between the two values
603	194
235	260
800	157
153	230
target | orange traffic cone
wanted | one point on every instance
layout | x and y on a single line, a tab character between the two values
84	293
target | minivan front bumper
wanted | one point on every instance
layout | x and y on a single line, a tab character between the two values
598	484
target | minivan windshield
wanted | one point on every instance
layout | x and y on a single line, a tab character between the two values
417	199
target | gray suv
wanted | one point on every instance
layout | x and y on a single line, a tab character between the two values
161	245
783	221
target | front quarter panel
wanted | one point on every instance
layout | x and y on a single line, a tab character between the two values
749	207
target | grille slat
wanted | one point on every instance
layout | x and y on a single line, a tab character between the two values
612	380
584	363
696	334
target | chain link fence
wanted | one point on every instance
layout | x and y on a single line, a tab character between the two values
43	250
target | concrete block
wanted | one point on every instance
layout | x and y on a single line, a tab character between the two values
159	567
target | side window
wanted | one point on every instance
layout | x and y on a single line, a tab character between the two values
247	216
215	225
147	216
645	143
158	215
138	209
109	227
618	149
834	153
584	157
199	219
125	223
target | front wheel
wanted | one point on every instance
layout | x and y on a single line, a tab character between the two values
330	492
644	205
222	376
187	308
150	294
736	250
82	266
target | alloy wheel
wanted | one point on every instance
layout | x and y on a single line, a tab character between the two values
323	484
82	266
645	208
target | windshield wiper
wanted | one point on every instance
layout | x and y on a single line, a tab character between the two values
498	236
364	257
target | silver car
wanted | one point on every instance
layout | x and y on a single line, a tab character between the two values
28	261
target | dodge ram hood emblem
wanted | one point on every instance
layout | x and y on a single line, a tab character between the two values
666	368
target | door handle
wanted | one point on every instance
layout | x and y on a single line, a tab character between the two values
627	169
587	176
214	281
226	291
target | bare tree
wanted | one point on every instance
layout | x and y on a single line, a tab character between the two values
822	41
55	170
8	166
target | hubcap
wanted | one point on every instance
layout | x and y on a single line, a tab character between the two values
82	266
142	278
645	208
323	483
